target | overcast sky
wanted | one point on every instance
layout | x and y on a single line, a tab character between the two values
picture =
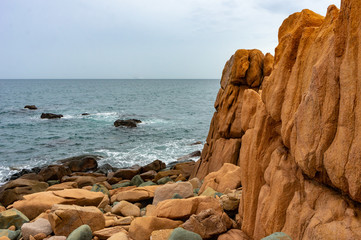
136	38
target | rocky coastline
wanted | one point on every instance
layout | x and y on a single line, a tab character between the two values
281	160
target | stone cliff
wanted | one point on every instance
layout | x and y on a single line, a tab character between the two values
292	123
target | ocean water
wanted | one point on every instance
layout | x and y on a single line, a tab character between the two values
174	114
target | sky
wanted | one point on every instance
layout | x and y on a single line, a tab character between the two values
100	39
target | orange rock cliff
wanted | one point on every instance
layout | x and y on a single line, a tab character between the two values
293	125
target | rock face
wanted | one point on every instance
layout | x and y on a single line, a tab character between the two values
51	115
296	139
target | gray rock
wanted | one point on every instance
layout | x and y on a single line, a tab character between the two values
41	225
164	180
277	236
81	233
181	234
51	115
148	183
12	217
13	235
136	181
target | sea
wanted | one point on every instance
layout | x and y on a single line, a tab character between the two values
175	113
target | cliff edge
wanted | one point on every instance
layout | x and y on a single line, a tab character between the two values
292	123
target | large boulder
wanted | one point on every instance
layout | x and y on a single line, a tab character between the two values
156	165
36	203
41	225
82	163
135	194
16	189
12	217
126	209
142	228
126	173
183	189
66	218
54	172
130	123
51	115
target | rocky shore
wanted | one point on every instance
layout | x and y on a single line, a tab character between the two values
281	160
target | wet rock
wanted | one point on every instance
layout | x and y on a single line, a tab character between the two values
130	123
82	163
85	114
41	225
31	107
51	115
83	232
12	217
184	189
66	218
180	234
142	228
105	169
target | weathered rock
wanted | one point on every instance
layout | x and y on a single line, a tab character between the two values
135	194
36	203
41	225
105	169
31	107
233	234
106	233
142	228
229	176
40	236
127	173
83	232
131	123
82	163
51	115
126	209
180	234
156	165
207	223
12	217
66	218
136	180
208	192
16	189
189	156
183	208
184	189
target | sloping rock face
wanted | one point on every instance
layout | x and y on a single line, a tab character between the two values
297	140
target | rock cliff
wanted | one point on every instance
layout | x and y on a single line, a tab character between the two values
292	123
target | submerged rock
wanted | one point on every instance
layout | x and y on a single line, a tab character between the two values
51	115
131	123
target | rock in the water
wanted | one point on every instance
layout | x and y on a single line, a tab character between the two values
156	165
189	156
181	234
142	228
66	218
12	217
16	189
207	223
31	107
184	189
82	163
83	232
41	225
85	114
131	123
51	115
126	209
277	236
12	235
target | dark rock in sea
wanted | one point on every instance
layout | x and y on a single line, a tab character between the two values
31	107
85	114
51	115
189	156
54	172
82	163
131	123
22	172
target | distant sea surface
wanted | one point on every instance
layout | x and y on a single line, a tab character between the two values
174	114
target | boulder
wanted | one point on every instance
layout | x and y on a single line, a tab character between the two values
136	180
130	123
54	172
40	225
162	234
119	236
51	115
184	189
234	234
83	232
12	235
142	228
126	209
183	208
62	186
148	175
168	173
105	169
100	188
127	173
36	203
156	165
66	218
185	168
180	234
148	183
31	107
12	217
82	163
16	189
135	194
164	180
196	183
106	233
207	223
190	156
229	176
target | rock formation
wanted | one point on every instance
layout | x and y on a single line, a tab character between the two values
294	130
